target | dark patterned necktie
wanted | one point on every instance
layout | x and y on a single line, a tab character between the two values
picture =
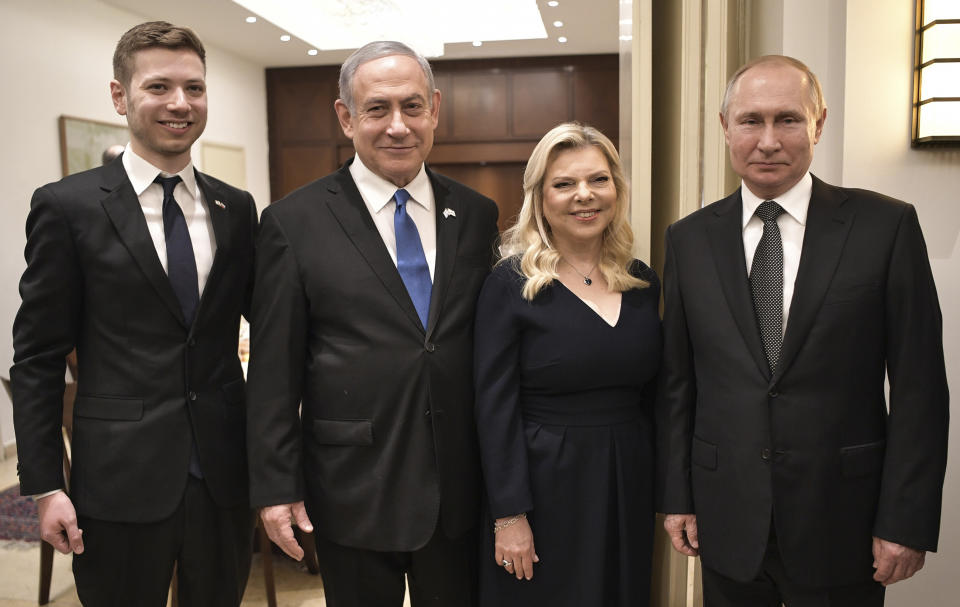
766	282
181	262
411	261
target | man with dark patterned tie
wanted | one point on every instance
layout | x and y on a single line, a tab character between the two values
144	265
786	305
367	281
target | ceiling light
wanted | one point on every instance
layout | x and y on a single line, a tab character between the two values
562	39
553	3
558	24
426	25
285	38
477	43
251	19
312	52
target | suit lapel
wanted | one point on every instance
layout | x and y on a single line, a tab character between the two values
220	220
448	236
726	241
828	223
348	208
123	208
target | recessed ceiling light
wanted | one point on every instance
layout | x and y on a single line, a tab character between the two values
477	43
285	38
312	52
562	39
558	24
553	3
251	19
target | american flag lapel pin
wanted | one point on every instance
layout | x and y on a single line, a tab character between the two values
448	212
219	204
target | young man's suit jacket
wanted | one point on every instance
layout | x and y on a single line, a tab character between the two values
147	381
812	447
387	445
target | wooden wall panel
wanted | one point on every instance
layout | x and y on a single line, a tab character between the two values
479	109
503	182
492	113
541	101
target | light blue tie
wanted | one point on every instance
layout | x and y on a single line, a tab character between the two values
411	262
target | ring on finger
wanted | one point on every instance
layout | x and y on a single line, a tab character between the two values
506	563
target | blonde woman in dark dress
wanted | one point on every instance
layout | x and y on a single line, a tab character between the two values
567	349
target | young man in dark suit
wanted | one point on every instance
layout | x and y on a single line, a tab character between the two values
144	265
786	304
367	281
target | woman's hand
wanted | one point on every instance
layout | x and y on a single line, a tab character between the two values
514	544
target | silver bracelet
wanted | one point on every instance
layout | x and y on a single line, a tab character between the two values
510	521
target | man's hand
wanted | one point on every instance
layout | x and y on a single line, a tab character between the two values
514	544
58	523
277	522
894	562
682	529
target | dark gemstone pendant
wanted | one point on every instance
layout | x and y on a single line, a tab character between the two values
587	281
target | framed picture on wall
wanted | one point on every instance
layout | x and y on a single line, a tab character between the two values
82	142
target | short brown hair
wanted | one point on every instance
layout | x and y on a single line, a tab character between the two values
814	91
149	35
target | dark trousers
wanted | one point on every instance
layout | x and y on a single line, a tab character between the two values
126	564
772	587
441	574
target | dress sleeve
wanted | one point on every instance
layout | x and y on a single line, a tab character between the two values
503	448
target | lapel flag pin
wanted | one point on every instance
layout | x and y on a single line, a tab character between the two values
448	212
219	204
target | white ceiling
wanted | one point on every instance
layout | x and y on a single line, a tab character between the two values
591	26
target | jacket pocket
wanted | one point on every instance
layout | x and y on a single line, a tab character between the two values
704	454
105	407
862	460
233	392
343	431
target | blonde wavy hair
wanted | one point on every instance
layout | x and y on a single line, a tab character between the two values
529	238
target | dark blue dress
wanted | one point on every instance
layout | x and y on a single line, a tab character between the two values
565	419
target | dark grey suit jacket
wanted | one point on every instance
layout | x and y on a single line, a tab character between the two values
147	381
387	444
813	447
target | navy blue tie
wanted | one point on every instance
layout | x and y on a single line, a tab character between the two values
411	262
181	262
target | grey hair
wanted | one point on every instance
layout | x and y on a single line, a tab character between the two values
813	84
376	50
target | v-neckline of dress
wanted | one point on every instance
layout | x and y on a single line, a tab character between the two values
594	308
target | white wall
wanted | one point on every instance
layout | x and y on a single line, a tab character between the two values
877	156
56	59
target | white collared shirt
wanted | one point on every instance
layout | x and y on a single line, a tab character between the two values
377	194
190	198
792	224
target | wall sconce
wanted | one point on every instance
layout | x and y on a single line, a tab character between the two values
936	74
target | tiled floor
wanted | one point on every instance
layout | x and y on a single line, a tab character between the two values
20	567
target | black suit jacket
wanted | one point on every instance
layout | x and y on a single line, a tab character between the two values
147	381
387	443
813	445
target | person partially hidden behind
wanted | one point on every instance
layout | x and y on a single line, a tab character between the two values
785	305
144	265
567	352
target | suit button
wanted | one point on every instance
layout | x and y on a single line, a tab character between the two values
426	413
192	342
193	396
765	455
773	393
430	347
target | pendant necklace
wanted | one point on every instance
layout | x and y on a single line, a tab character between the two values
586	277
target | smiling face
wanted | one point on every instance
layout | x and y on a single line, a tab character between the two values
395	115
579	197
165	103
771	127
